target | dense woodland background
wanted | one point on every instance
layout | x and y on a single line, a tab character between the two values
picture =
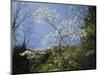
80	56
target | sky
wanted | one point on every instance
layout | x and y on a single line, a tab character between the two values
40	30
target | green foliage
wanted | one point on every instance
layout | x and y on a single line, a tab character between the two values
87	57
74	59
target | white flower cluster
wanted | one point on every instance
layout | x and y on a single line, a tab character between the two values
44	13
51	39
67	29
40	49
83	33
28	54
32	54
40	14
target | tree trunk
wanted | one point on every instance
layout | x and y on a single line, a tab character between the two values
61	54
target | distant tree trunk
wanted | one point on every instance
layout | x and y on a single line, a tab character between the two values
61	52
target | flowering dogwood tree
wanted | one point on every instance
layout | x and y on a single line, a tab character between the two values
65	30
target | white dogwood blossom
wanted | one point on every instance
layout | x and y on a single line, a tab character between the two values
28	54
51	39
65	30
44	13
